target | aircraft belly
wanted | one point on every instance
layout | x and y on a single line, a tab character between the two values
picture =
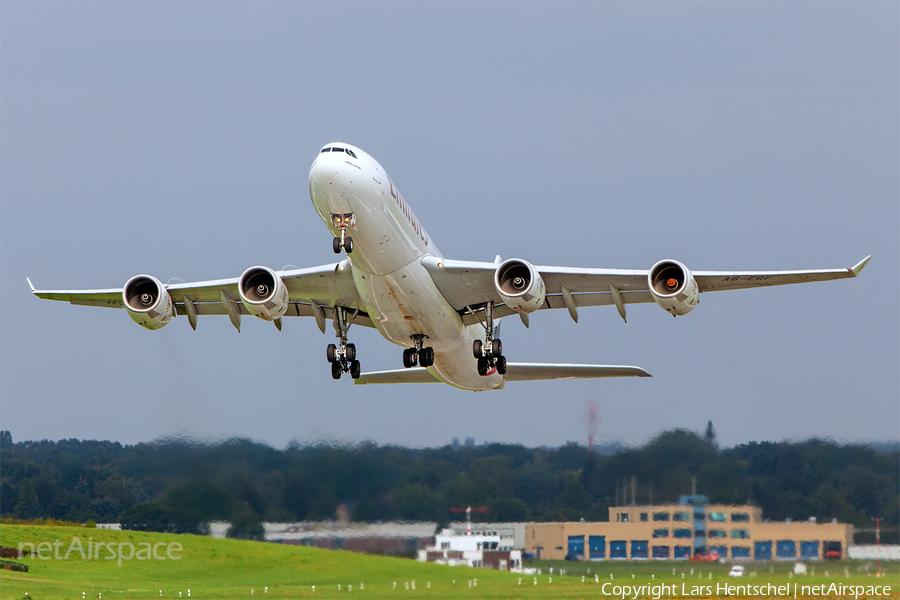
405	303
458	369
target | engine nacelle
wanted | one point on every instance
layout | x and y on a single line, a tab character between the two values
148	302
673	287
520	285
263	293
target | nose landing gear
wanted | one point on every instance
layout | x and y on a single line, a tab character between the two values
489	353
344	241
418	354
343	356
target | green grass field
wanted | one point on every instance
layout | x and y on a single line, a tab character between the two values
216	568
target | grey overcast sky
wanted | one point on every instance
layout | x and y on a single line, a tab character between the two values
175	139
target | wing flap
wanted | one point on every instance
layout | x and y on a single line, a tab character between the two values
555	301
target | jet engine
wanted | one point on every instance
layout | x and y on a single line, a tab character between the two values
148	302
673	287
520	285
263	293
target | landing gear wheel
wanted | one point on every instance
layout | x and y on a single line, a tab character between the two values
496	348
354	369
501	365
331	353
483	366
336	245
426	356
350	352
336	370
409	358
348	244
477	347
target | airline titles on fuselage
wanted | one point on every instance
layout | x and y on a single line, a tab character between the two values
407	211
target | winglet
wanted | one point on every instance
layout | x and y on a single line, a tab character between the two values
860	265
31	285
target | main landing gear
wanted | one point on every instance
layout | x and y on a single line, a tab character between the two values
418	355
343	241
490	352
343	357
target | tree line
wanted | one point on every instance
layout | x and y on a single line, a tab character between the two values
179	485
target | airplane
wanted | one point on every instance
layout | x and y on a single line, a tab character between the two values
444	312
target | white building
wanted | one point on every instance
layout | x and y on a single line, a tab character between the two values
512	535
872	552
478	550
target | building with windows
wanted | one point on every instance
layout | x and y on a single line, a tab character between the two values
480	550
512	535
691	528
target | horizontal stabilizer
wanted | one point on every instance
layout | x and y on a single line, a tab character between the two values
415	375
514	372
539	371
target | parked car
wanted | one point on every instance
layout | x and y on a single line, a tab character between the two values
736	571
705	557
833	551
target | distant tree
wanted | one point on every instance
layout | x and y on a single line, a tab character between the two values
245	524
157	486
416	502
323	503
149	516
508	510
569	456
82	486
710	435
590	476
184	519
104	510
371	509
297	497
210	501
574	501
28	506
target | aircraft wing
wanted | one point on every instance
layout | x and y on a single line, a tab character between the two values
469	285
514	372
313	292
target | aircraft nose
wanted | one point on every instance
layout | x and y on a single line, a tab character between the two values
337	181
336	170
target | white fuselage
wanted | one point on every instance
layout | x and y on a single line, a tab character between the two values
389	244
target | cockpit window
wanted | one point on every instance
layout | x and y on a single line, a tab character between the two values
336	149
